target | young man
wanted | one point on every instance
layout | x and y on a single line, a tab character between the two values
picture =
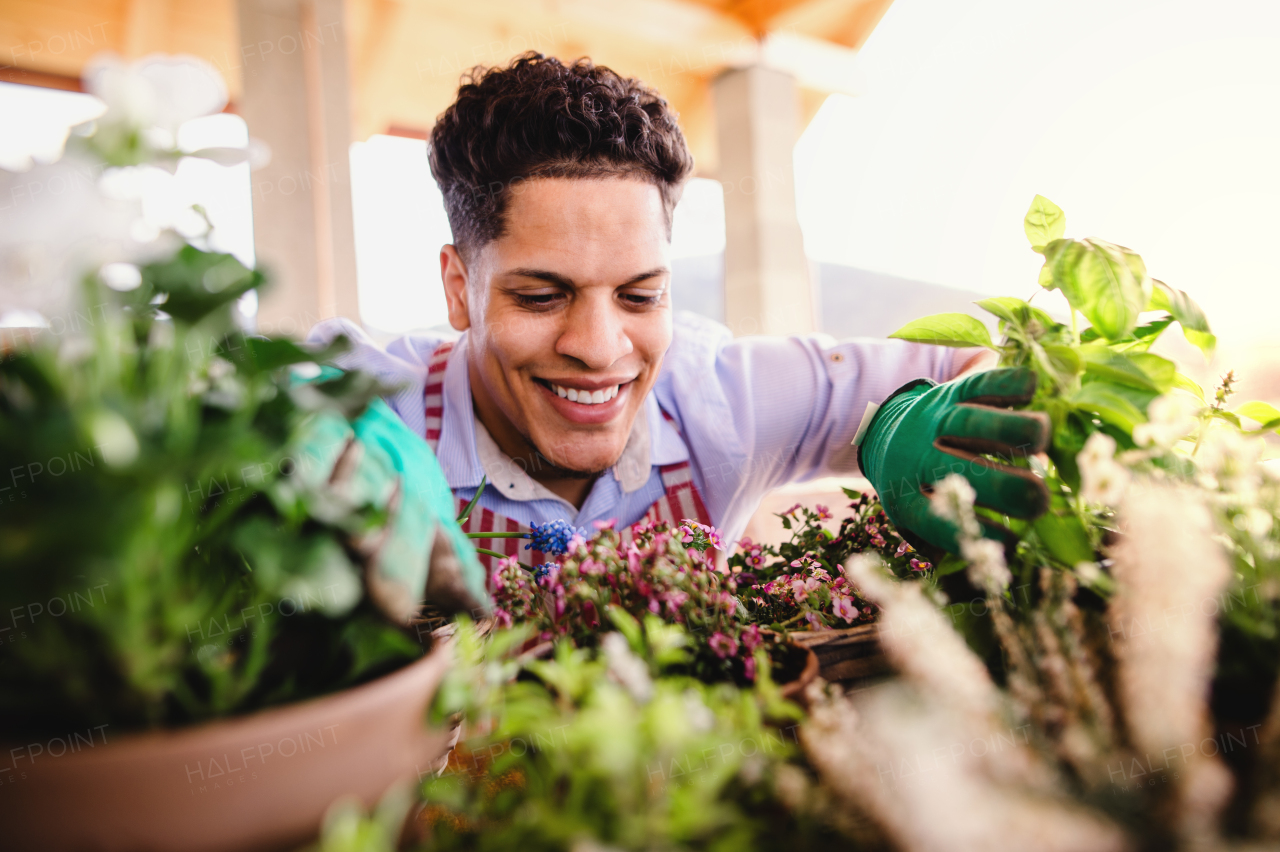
574	393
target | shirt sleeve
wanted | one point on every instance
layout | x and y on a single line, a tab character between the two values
758	412
402	366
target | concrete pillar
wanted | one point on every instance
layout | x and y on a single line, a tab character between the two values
766	274
297	100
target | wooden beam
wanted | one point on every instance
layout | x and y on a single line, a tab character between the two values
146	28
41	79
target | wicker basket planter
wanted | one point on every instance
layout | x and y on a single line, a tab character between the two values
849	656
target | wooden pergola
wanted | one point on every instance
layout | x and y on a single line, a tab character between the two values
311	76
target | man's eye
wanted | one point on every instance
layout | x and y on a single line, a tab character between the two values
538	300
641	300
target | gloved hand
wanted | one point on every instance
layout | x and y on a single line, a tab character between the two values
925	431
420	552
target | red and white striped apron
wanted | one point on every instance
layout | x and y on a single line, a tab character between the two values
680	500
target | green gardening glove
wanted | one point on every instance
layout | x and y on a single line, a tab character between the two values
925	431
421	552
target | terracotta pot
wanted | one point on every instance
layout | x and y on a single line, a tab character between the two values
257	782
846	656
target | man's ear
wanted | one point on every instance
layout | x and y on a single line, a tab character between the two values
454	275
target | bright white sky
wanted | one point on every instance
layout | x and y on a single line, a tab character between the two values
1153	123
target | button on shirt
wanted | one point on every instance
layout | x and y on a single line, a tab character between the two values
749	414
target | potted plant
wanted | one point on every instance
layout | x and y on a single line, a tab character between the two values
204	643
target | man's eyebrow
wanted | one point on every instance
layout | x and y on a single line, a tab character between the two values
542	275
556	278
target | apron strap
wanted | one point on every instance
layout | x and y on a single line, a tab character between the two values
433	392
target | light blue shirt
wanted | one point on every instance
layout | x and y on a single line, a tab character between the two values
750	414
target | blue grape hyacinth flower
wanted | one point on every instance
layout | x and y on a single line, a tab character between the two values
552	537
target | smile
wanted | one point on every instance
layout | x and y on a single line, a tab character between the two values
584	396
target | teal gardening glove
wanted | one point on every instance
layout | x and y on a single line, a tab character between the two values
925	431
421	552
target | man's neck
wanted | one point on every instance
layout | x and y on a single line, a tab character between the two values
573	487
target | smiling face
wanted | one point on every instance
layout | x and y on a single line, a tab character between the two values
569	313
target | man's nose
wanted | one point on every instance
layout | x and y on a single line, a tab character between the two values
594	333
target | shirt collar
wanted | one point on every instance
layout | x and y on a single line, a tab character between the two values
468	454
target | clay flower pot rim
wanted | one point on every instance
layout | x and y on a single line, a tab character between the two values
261	781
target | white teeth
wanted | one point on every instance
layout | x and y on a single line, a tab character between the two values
586	397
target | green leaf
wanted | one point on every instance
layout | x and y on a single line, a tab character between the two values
1138	370
1064	538
1195	325
1229	416
1188	384
1105	282
949	564
1044	222
1265	414
1015	311
267	353
1063	361
946	330
1201	340
628	626
1107	402
197	283
466	512
1160	371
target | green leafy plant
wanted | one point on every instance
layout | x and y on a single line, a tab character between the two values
616	745
1099	378
172	550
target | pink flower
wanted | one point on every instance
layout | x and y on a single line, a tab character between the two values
749	668
843	606
917	565
604	525
591	567
654	606
792	511
751	638
800	588
722	645
501	617
823	512
902	548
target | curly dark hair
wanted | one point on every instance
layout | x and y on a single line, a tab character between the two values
538	118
